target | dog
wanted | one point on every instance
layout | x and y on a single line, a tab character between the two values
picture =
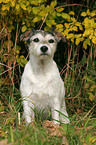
41	85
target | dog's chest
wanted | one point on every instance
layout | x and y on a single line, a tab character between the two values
43	84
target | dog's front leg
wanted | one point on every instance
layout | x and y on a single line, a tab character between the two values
28	112
55	114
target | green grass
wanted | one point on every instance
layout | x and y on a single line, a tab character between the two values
81	130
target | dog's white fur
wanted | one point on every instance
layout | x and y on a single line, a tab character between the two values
41	85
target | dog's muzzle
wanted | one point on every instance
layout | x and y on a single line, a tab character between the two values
44	50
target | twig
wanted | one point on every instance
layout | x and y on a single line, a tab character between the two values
6	65
70	5
43	21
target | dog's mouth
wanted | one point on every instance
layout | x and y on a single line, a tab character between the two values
44	54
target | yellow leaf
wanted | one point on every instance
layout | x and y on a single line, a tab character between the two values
5	7
66	32
73	19
83	14
70	35
92	139
13	3
92	88
71	13
59	26
87	32
95	32
88	12
78	35
92	22
1	1
79	25
72	39
27	3
75	28
94	39
66	25
59	9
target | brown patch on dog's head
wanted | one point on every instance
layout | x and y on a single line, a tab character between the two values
27	35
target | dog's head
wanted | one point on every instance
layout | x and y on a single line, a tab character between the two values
42	43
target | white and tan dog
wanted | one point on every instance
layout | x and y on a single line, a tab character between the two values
41	85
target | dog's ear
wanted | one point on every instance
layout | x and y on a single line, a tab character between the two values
59	36
27	35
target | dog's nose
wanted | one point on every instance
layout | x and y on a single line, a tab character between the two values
44	49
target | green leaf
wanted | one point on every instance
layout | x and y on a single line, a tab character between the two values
24	28
65	16
85	44
83	60
93	13
36	19
53	3
23	6
91	97
77	41
49	23
17	6
29	8
88	42
34	2
89	79
36	10
22	61
43	13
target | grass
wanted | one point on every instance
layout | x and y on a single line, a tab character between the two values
81	130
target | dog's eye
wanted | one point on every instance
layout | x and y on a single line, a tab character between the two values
51	41
36	40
